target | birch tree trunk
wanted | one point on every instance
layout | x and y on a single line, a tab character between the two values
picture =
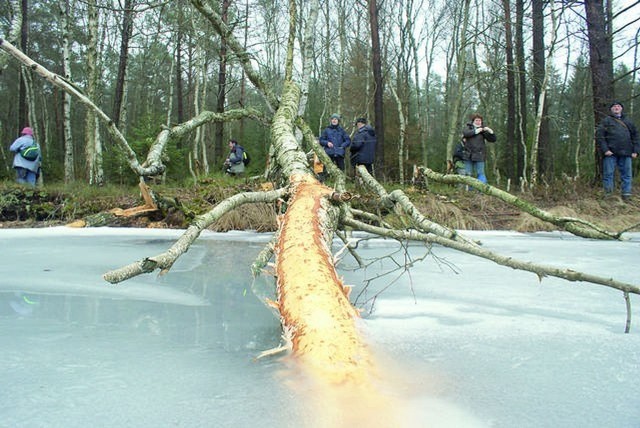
434	35
413	47
541	139
308	55
401	137
92	149
541	102
455	92
69	168
15	28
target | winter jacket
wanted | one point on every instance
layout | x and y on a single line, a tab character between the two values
363	146
475	143
236	160
20	162
620	136
338	137
460	153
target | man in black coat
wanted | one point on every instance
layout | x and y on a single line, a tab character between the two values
617	138
363	145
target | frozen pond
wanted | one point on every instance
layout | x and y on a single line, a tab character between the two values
463	342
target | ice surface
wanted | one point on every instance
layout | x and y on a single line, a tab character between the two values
463	342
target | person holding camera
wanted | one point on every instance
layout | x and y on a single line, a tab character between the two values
476	134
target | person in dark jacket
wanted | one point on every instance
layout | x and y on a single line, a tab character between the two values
363	146
234	164
335	141
476	133
460	154
27	171
617	138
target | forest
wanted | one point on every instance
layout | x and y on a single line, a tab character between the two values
541	73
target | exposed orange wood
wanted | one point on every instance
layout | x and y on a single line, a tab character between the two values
322	324
149	205
312	299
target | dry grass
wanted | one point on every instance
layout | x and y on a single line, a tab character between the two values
446	205
258	217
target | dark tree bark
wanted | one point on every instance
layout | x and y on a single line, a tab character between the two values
522	89
376	62
511	94
127	29
601	63
537	19
222	83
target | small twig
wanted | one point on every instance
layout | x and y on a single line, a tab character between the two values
628	304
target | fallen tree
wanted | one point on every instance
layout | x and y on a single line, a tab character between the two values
576	226
319	322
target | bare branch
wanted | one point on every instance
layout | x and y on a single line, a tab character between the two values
165	261
574	225
540	270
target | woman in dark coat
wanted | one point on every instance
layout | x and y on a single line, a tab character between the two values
475	134
335	141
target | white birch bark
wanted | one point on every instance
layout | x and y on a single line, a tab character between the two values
401	137
92	78
15	26
543	91
456	93
307	54
69	168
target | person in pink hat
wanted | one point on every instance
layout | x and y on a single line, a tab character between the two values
27	159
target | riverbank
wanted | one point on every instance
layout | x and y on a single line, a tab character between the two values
452	207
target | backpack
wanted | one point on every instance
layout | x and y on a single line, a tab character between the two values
245	158
30	153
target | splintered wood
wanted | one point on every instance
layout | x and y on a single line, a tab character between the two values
312	300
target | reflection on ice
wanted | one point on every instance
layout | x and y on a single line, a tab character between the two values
461	342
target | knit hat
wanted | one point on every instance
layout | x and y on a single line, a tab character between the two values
335	116
27	131
361	120
616	103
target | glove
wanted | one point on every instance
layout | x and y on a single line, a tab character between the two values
489	130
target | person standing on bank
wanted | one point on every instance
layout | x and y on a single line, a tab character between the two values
363	146
335	141
475	134
617	138
27	168
234	164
